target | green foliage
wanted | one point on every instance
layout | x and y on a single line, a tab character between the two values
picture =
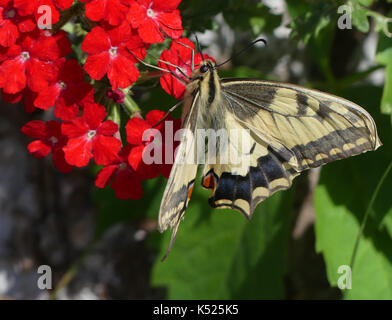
247	15
308	19
384	57
221	255
218	254
339	213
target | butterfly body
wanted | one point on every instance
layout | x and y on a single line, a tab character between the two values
285	129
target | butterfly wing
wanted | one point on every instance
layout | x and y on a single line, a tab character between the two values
291	129
182	176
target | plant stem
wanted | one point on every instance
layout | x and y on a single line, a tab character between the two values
367	212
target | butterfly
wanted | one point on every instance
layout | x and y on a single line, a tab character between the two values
289	129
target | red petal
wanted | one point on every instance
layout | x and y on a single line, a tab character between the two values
122	73
154	116
93	115
35	129
105	176
107	128
75	129
172	86
26	25
29	100
120	34
136	14
171	24
70	71
135	129
8	33
25	7
95	10
113	12
63	4
165	5
78	151
97	65
39	149
39	74
47	98
63	43
12	76
105	149
96	41
127	185
66	112
135	160
149	32
166	169
59	161
137	47
12	97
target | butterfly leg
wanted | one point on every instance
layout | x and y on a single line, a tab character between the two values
168	112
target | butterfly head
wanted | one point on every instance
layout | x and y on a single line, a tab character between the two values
207	66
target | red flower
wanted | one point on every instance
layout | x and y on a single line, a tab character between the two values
91	137
49	139
113	12
156	18
117	95
67	90
12	24
126	183
180	56
30	61
109	53
28	95
145	140
34	7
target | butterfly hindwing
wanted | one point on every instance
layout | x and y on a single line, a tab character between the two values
267	173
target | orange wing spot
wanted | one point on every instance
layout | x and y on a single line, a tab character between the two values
209	181
190	190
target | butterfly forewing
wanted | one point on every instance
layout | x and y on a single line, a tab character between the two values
316	127
180	184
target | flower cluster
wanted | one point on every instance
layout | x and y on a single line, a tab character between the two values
40	65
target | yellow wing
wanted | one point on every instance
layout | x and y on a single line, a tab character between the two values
179	186
291	129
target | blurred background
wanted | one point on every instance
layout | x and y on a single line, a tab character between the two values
100	247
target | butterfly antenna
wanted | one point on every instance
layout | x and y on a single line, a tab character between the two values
199	47
243	50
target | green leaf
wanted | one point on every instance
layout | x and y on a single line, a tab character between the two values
341	199
360	19
366	3
251	15
247	15
384	57
309	19
218	254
